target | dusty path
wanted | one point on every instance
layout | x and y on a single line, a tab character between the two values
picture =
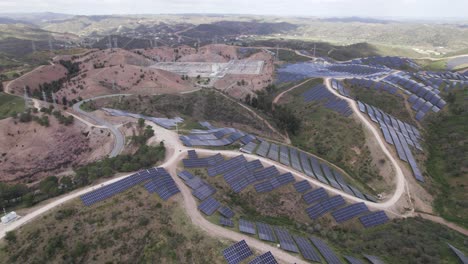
119	142
278	97
401	184
285	137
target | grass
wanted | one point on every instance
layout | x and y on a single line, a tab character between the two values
433	65
410	240
10	104
132	227
391	104
344	147
447	163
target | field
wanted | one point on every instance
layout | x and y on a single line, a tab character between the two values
203	105
132	227
345	147
447	163
391	104
433	65
10	104
284	207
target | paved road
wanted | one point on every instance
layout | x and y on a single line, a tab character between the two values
119	137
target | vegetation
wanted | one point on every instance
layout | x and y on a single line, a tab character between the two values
447	163
391	104
10	105
132	227
409	240
344	147
433	65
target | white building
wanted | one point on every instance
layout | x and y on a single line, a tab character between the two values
10	217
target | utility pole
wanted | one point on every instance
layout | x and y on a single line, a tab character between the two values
33	45
315	45
110	42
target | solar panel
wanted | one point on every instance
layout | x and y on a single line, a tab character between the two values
325	250
273	153
226	222
302	186
195	182
374	219
265	232
373	259
306	164
325	206
192	154
461	256
162	184
349	212
266	258
112	189
285	239
247	227
266	173
306	249
185	175
353	260
237	252
263	149
315	196
263	187
284	155
317	171
249	148
254	165
295	159
209	206
226	211
226	165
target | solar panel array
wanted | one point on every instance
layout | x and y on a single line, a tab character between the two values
117	187
461	256
325	206
225	166
286	241
273	152
185	175
203	162
303	70
302	186
266	258
284	155
426	96
349	212
263	149
164	122
162	184
226	211
315	196
326	251
275	182
321	94
306	249
374	219
209	206
247	227
399	134
226	222
237	252
216	137
337	85
370	84
265	232
389	61
249	147
204	191
373	259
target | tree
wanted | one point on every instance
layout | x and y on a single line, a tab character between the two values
141	122
1	86
247	99
49	186
10	237
64	100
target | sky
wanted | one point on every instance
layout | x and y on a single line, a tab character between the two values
417	9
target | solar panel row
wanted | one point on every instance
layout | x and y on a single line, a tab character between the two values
374	219
266	258
237	252
285	239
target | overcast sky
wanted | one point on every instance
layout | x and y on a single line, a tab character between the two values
366	8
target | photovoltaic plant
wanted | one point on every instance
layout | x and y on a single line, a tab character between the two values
237	252
265	232
117	187
349	212
302	186
247	227
209	206
162	184
226	211
226	222
226	165
285	239
185	175
263	149
325	206
315	196
266	258
374	219
325	250
306	249
203	162
204	191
